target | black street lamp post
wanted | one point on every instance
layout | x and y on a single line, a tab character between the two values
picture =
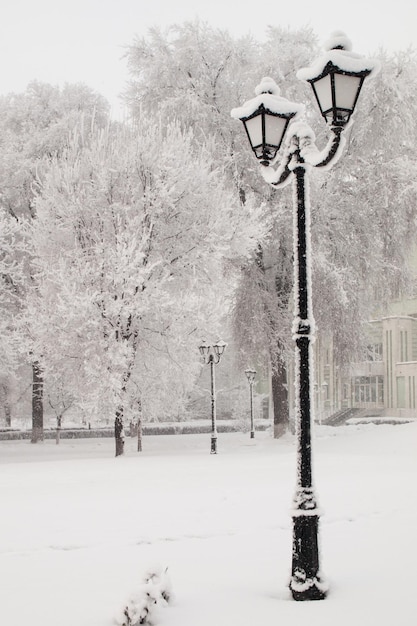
250	375
337	79
211	355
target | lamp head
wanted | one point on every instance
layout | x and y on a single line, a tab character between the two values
219	348
337	79
266	118
204	349
250	375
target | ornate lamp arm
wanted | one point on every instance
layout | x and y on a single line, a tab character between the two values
300	148
281	176
327	157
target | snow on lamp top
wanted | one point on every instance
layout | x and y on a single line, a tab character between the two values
337	78
338	51
267	94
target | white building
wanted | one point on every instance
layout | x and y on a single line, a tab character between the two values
384	383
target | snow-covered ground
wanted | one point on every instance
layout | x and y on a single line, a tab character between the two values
78	528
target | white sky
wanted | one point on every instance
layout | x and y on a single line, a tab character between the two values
82	40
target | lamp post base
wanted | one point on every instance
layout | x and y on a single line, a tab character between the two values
306	582
310	589
213	449
252	434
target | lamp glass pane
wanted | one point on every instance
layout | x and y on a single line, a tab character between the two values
250	374
274	129
346	88
219	348
254	128
204	348
323	89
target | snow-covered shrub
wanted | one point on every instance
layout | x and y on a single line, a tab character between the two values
154	591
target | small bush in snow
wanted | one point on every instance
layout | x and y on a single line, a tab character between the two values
155	591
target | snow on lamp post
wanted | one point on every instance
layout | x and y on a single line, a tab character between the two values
337	78
211	355
250	375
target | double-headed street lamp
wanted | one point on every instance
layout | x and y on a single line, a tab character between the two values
211	355
336	78
250	375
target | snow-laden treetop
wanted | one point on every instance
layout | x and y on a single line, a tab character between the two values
339	52
268	95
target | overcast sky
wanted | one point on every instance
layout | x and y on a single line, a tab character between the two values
83	40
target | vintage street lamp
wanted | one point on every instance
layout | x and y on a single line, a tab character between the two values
250	375
337	78
211	355
266	120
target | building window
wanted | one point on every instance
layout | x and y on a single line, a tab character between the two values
373	352
403	346
368	390
401	392
389	367
412	392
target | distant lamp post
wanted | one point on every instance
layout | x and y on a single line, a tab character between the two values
250	375
211	355
337	79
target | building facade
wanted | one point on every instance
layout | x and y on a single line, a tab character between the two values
385	382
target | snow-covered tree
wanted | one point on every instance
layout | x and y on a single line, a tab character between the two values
35	124
362	211
137	240
12	280
34	127
196	74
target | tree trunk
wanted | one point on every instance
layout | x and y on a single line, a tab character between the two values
119	434
280	400
283	289
4	398
37	403
58	429
8	414
140	433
